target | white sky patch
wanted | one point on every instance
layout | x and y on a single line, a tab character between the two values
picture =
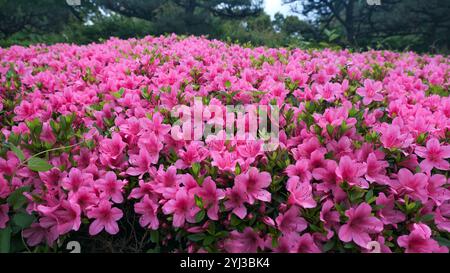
274	6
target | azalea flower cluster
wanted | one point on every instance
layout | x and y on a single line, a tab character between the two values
362	154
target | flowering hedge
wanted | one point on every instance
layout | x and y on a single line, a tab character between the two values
87	149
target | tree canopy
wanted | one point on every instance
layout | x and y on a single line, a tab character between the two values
399	25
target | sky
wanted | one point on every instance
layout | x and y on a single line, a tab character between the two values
274	6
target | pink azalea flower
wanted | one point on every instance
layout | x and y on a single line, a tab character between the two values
442	217
106	218
4	187
300	169
434	155
300	193
111	151
341	148
327	174
419	241
317	160
255	183
36	233
388	214
371	91
157	126
152	145
236	199
144	188
110	187
391	137
142	163
250	149
76	180
436	189
211	196
305	244
351	172
67	216
413	185
246	242
195	152
85	197
148	208
166	182
290	221
329	217
224	161
182	207
376	170
359	225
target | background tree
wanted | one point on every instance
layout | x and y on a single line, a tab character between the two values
416	24
184	16
36	16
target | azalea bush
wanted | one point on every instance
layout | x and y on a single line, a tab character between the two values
88	152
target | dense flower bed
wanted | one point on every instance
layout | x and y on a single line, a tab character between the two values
87	150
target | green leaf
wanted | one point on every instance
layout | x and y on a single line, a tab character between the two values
328	246
119	93
208	240
330	130
23	220
198	201
211	228
227	84
200	216
195	168
38	164
443	241
427	218
196	237
18	152
238	169
369	195
154	236
5	240
235	220
17	199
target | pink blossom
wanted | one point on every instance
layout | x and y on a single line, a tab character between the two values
413	185
110	187
182	207
106	217
436	189
255	183
111	151
148	208
419	241
371	91
300	193
152	146
142	163
195	152
211	197
290	221
236	199
246	242
391	137
376	170
300	169
67	216
434	155
359	225
388	214
77	179
351	172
